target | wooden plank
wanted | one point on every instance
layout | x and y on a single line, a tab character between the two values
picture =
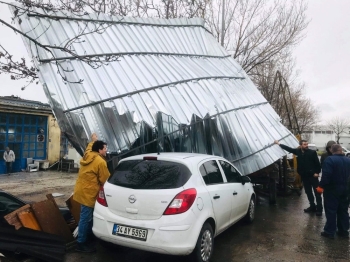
12	218
74	208
51	220
28	219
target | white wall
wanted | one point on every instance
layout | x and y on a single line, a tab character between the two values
73	154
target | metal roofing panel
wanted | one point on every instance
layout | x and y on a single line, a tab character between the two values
172	83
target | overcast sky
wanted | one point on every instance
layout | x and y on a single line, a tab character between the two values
322	58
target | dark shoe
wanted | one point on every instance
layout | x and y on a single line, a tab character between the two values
84	248
343	234
310	210
324	234
318	213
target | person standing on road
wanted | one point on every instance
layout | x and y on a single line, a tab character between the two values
334	185
309	169
9	157
328	151
93	173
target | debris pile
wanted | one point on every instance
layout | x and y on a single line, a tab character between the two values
31	228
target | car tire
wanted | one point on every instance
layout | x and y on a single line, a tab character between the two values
249	217
204	248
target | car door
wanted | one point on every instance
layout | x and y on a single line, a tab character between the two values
241	193
220	193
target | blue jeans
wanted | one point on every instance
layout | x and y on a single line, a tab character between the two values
85	223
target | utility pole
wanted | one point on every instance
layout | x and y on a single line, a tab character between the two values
223	23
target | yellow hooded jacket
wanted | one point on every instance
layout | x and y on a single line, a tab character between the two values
93	173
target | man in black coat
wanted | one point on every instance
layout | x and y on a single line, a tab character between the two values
335	187
309	168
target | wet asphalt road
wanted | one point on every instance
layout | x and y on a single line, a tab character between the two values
281	232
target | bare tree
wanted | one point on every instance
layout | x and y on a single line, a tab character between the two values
286	93
256	31
338	126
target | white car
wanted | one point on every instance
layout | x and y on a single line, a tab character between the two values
346	151
313	147
172	203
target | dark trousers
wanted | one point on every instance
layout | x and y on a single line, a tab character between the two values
310	183
336	209
9	167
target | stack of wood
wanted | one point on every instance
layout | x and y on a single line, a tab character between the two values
45	216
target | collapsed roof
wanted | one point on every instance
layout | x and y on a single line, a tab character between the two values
154	85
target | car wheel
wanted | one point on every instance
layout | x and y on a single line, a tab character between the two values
249	217
205	244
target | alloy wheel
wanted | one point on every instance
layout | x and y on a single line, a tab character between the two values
206	245
251	209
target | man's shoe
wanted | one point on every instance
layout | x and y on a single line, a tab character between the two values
310	210
318	213
324	234
343	234
84	248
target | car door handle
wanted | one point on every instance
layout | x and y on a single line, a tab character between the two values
216	197
234	193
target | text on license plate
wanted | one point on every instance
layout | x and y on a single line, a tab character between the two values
130	232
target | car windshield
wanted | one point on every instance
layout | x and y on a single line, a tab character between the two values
150	174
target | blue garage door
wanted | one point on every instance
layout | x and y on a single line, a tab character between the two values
26	135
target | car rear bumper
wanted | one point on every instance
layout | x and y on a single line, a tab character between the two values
174	235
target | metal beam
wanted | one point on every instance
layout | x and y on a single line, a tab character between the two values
152	88
125	54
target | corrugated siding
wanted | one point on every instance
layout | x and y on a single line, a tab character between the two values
172	82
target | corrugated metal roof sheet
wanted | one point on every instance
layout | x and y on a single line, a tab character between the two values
172	82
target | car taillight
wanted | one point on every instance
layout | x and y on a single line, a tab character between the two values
101	198
182	202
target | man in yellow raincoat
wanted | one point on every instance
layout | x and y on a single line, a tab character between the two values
93	173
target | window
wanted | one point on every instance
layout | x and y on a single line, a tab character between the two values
231	173
150	174
211	173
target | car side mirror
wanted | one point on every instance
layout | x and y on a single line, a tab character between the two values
245	179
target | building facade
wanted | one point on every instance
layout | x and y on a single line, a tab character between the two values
30	130
320	135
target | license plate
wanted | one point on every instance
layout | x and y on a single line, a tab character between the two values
131	232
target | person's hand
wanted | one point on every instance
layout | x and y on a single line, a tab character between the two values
316	175
319	190
276	142
94	137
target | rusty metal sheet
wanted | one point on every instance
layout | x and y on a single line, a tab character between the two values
50	219
74	208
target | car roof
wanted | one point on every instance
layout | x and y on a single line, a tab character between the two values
181	156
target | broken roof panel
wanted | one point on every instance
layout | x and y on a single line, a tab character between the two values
172	88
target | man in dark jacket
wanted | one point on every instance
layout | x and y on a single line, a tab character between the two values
335	187
308	168
328	151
